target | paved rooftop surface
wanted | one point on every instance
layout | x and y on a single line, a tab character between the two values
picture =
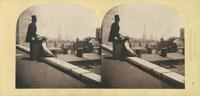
178	68
156	57
91	56
83	61
175	56
34	74
120	74
74	58
70	58
153	57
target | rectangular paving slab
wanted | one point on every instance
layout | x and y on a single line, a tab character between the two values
88	76
174	77
91	56
70	58
143	63
60	63
154	57
159	71
79	71
175	56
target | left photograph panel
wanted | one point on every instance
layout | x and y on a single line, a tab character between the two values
58	46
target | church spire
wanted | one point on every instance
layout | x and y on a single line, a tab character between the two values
144	33
59	33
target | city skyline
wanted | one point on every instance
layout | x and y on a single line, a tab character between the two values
58	19
152	19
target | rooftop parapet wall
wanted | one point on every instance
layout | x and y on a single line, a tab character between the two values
83	74
164	74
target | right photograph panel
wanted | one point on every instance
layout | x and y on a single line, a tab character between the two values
143	47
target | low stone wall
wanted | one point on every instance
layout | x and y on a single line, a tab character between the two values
83	74
173	78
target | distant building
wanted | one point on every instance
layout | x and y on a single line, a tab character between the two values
144	34
59	43
179	42
182	31
98	33
87	44
142	42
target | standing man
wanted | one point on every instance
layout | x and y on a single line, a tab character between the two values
114	35
31	34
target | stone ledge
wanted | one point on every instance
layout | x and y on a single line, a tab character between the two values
107	48
24	49
174	77
77	71
64	65
161	72
143	63
95	77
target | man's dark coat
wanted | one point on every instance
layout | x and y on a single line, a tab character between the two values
31	32
114	32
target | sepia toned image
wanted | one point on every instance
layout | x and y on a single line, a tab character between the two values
143	47
137	46
58	46
100	47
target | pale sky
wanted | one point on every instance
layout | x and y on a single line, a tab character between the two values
159	21
71	21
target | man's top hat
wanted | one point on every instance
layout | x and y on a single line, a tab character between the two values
116	17
33	17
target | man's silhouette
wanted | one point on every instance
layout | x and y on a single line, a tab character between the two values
114	34
31	34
